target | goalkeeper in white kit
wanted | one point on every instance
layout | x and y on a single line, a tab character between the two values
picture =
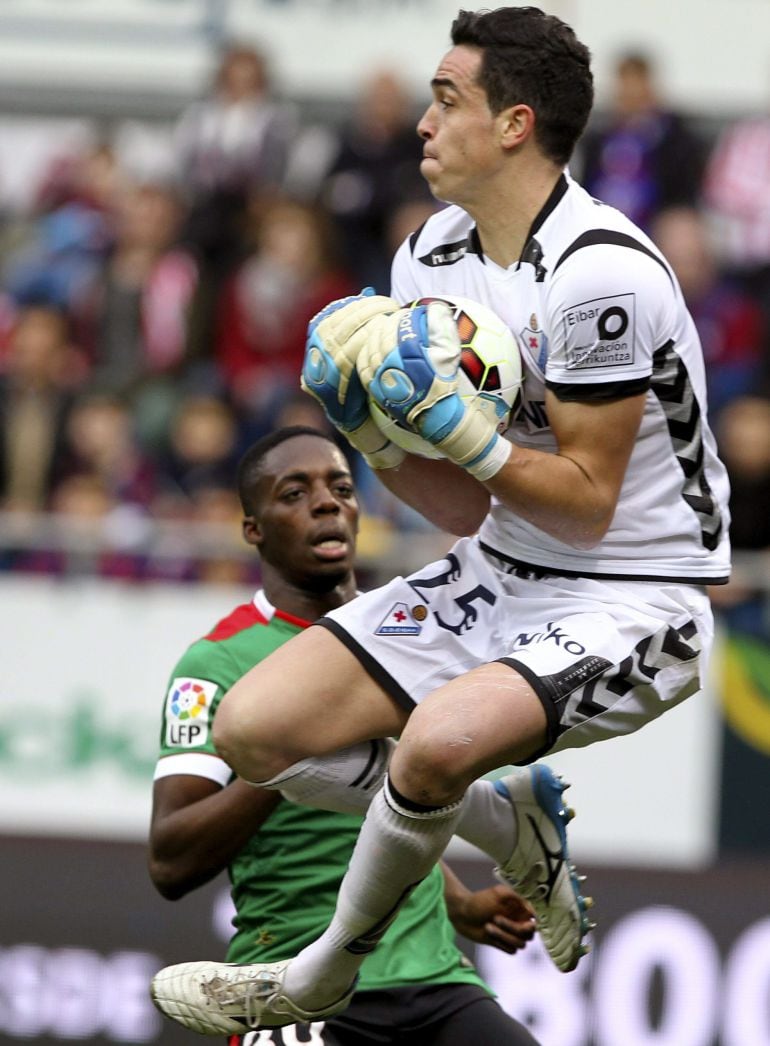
573	607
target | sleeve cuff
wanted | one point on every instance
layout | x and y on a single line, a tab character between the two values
194	764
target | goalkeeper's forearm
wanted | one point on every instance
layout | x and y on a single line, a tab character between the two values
441	492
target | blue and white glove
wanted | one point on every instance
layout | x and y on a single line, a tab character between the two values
336	335
409	368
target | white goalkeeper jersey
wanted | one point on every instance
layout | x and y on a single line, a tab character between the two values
598	314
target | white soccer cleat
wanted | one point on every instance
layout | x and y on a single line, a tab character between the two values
540	868
219	998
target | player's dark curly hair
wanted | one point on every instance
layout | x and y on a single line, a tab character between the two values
250	465
534	59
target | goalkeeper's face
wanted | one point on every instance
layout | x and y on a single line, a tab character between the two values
306	514
462	137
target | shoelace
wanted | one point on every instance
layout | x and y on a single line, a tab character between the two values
531	885
251	994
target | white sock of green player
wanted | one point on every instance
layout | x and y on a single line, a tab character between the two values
343	781
346	781
398	845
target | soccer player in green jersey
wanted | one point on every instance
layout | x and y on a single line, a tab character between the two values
286	861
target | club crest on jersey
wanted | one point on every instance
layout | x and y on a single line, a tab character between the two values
535	342
187	712
399	622
600	333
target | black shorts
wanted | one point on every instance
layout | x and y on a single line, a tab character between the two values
433	1015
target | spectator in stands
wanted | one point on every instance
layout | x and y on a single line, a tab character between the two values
66	238
41	370
197	537
91	177
737	196
135	321
81	505
236	139
99	440
644	157
95	536
300	409
376	167
231	145
204	445
217	517
291	273
743	434
729	321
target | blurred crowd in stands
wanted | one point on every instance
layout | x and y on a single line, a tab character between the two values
153	317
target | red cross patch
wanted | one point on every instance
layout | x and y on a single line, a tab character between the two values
399	622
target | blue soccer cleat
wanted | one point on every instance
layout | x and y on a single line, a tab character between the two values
540	868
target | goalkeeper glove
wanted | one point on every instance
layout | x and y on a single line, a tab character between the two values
336	335
409	368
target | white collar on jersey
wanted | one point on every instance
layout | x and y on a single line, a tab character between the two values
263	604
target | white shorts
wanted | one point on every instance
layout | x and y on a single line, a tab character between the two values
604	657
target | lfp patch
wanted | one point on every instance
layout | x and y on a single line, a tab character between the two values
399	622
187	712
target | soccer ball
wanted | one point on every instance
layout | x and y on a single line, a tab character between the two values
490	372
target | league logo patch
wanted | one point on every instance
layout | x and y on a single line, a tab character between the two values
399	622
600	333
187	712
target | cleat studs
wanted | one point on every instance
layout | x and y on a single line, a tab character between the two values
584	949
582	878
590	926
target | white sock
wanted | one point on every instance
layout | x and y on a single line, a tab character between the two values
343	781
397	846
488	821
